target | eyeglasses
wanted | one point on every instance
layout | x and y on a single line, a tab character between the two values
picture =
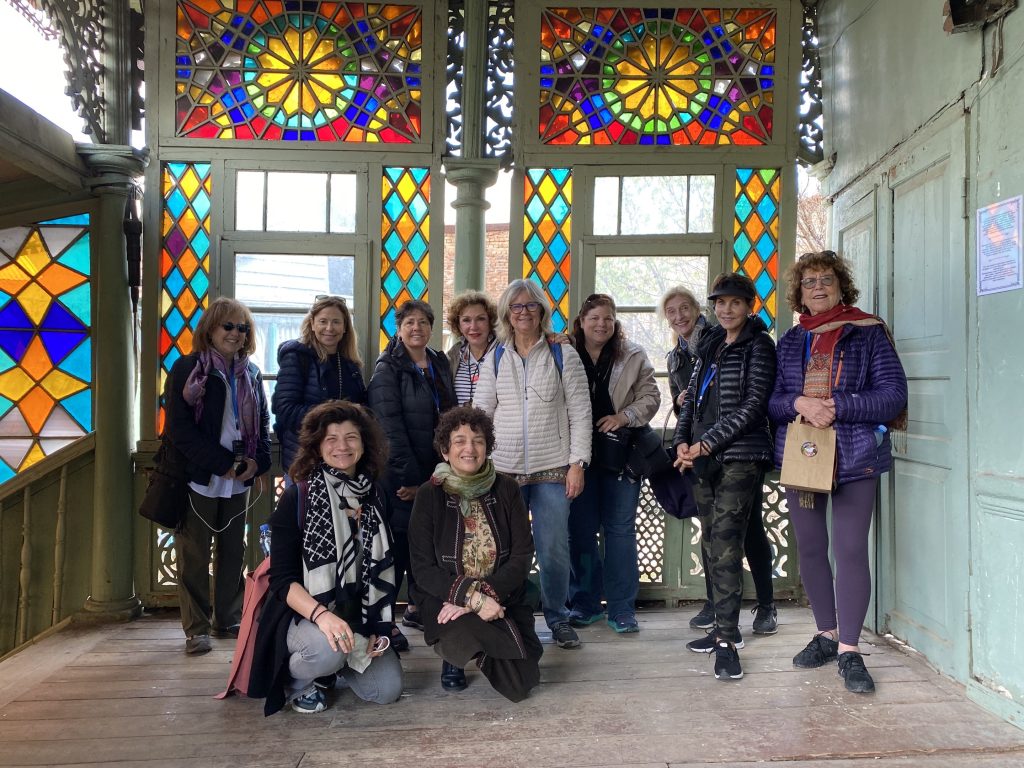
322	296
229	327
823	280
530	306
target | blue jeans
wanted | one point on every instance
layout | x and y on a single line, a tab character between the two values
549	514
608	502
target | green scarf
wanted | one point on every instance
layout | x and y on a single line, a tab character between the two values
464	487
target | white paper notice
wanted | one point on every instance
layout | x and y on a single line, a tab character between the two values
999	246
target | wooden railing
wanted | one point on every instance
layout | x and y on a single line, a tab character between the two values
45	543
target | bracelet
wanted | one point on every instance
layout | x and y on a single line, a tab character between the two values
480	602
315	614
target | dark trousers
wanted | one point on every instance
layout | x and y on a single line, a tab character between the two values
723	493
193	543
758	550
400	552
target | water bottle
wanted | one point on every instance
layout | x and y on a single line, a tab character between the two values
265	539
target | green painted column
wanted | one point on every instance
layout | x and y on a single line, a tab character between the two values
112	594
470	174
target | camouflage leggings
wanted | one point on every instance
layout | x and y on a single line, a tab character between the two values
723	493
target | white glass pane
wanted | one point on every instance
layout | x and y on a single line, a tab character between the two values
651	332
606	205
292	280
343	202
653	205
249	200
702	203
272	329
640	281
296	202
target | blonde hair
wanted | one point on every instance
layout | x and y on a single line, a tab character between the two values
348	346
505	331
679	292
217	313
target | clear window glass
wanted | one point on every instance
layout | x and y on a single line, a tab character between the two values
288	201
292	280
653	205
296	202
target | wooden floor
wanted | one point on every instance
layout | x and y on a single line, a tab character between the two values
126	695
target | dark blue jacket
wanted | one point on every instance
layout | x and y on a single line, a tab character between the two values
301	384
201	442
872	390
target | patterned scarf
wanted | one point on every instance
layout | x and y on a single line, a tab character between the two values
343	561
826	330
466	487
248	410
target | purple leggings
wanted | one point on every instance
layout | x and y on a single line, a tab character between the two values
853	506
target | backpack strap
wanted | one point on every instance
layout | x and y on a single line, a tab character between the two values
556	353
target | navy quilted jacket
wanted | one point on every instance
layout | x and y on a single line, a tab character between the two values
302	384
872	390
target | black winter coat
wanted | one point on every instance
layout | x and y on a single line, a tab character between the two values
201	442
405	406
301	385
746	377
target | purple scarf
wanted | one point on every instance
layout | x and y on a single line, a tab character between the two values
248	411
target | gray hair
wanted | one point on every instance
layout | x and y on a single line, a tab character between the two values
679	292
505	330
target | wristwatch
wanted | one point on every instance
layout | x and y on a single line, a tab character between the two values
582	464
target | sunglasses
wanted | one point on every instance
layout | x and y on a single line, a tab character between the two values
242	327
322	296
822	255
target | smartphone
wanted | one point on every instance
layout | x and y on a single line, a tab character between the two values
238	448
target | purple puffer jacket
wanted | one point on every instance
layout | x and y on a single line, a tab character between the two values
872	390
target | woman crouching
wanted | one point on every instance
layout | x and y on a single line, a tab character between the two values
332	576
471	551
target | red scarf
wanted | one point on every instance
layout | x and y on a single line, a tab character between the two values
828	326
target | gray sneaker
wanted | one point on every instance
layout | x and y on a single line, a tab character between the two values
565	636
198	644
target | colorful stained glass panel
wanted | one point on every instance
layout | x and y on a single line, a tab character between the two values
45	348
270	70
657	76
755	247
184	261
405	243
547	230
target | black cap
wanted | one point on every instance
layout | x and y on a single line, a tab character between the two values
733	285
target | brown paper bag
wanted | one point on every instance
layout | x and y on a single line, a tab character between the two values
809	457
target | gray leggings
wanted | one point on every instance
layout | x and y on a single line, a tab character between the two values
313	657
846	597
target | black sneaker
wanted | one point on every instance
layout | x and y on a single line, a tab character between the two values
411	618
819	651
856	675
310	702
399	641
452	678
565	636
707	644
727	661
766	619
705	619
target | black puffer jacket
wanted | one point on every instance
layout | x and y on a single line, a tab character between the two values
302	384
746	376
405	407
680	363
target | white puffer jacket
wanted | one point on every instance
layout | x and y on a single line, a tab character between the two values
541	420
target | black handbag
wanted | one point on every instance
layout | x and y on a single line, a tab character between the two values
167	491
610	450
647	454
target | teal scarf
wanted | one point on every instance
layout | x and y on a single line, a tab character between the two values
465	487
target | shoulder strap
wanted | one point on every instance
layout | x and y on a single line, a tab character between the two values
556	353
499	350
303	487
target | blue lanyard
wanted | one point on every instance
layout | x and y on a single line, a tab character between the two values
708	378
432	383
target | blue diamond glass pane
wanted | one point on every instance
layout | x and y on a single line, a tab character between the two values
741	247
59	343
200	244
560	209
535	209
79	362
80	219
743	208
744	174
174	322
393	246
201	205
417	247
200	283
765	246
76	256
534	247
764	284
557	286
176	203
766	208
417	285
392	284
418	208
393	206
79	407
174	282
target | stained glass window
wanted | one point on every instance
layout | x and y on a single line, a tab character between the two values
184	261
405	242
298	71
657	76
547	231
45	345
756	236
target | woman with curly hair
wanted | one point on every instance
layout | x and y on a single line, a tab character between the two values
472	317
332	575
471	552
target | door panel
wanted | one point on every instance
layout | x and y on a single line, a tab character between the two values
928	531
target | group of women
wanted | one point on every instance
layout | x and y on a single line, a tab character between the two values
451	471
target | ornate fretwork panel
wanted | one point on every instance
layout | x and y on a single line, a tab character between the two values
498	108
756	236
650	537
405	243
668	76
812	136
45	340
298	71
547	233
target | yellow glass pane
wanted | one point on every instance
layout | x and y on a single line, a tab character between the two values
14	384
33	255
34	455
60	385
406	187
190	182
35	301
13	278
755	189
547	190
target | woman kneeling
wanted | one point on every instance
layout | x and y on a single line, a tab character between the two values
332	576
471	550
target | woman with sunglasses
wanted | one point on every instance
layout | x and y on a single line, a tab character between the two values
322	364
535	390
217	417
838	367
623	394
723	436
682	311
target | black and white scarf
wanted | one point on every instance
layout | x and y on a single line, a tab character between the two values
342	561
